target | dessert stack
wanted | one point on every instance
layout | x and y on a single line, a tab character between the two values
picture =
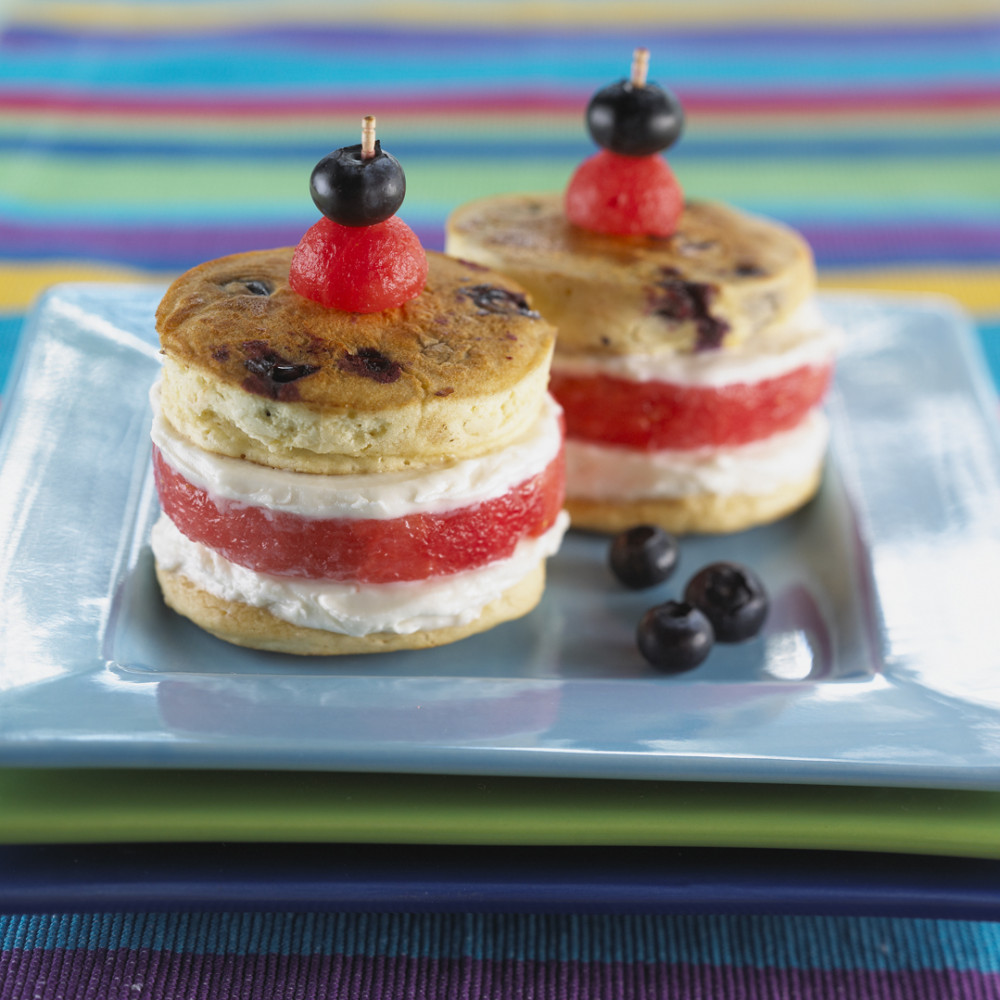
354	446
691	359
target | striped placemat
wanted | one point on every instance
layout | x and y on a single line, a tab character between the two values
262	956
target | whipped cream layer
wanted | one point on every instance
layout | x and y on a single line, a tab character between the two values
355	609
378	496
804	340
598	472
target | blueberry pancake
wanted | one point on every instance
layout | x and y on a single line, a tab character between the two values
723	277
253	370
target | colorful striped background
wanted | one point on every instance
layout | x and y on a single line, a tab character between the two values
148	136
139	138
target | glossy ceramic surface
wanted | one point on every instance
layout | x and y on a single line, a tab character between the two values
372	878
879	664
129	805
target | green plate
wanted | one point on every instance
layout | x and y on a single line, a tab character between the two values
104	805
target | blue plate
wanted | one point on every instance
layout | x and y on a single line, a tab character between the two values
880	663
422	879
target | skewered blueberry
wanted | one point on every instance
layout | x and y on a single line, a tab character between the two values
674	636
358	185
634	121
643	556
732	597
633	117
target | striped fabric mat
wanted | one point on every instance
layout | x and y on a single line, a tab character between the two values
139	138
494	957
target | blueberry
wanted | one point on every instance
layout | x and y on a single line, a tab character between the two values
643	556
255	286
354	190
492	299
634	120
674	636
732	597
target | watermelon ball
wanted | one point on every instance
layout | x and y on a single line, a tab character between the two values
625	195
361	269
355	189
634	120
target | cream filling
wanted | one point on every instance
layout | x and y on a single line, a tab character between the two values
805	339
354	609
600	472
377	496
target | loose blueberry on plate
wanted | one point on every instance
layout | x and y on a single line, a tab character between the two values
732	597
643	556
674	636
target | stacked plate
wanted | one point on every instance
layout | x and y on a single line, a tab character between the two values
814	768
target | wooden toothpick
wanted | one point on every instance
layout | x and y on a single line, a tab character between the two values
640	67
367	137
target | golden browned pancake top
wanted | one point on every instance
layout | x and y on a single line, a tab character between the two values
471	331
721	277
713	243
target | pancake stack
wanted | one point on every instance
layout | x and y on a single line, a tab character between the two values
690	365
341	482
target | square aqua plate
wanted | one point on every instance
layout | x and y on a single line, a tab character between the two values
880	663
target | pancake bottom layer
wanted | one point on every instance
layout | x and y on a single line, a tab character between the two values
706	513
256	628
